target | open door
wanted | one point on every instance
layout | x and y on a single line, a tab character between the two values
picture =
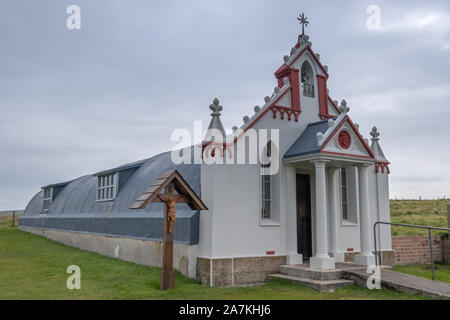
304	234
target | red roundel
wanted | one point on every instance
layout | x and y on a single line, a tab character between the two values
344	139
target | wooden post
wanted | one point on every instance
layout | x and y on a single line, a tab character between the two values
167	279
448	214
13	218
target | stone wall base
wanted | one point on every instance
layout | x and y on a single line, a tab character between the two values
145	252
237	271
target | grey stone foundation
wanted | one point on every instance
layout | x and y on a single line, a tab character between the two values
237	271
145	252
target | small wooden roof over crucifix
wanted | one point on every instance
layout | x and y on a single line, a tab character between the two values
154	193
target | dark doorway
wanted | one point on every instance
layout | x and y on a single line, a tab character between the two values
304	235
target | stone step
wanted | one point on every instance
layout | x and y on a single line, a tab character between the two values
319	285
305	272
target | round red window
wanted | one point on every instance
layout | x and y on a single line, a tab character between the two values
344	139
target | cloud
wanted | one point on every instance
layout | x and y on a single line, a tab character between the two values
76	102
428	25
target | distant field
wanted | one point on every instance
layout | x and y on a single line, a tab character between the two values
419	212
9	213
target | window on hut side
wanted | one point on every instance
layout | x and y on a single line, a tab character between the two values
47	198
344	195
266	183
107	187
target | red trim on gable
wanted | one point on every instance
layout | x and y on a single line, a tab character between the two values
334	105
295	91
323	101
345	154
261	115
383	166
293	76
308	48
283	111
347	119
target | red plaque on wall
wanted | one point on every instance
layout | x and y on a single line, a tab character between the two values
344	139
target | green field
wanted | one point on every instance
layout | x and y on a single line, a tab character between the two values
32	267
8	213
419	212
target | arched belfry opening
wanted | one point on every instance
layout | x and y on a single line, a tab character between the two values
307	80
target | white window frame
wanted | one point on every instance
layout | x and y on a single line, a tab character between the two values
344	188
107	190
266	184
49	198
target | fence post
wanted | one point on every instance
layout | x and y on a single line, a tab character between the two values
431	253
13	218
448	213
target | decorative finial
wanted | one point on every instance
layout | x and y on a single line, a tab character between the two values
257	109
303	21
235	128
246	119
285	58
267	99
216	108
343	107
276	90
216	123
319	137
375	134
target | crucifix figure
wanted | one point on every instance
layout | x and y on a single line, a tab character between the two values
303	21
163	190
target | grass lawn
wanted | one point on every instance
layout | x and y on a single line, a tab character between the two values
32	267
422	212
424	271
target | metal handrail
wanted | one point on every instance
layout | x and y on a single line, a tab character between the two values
409	226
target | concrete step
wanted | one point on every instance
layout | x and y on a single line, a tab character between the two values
303	271
319	285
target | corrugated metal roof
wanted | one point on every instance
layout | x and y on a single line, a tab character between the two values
78	198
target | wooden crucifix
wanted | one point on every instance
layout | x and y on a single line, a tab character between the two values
170	189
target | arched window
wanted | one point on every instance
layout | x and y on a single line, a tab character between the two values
266	182
307	80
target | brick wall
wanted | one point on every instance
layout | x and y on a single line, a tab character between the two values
415	249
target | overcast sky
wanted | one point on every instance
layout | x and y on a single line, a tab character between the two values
73	102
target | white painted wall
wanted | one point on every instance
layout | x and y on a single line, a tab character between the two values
232	227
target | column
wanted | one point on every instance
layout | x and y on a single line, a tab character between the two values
293	257
335	252
321	260
366	257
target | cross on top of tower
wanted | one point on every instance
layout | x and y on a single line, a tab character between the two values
303	21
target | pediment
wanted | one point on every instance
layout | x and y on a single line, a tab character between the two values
347	141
